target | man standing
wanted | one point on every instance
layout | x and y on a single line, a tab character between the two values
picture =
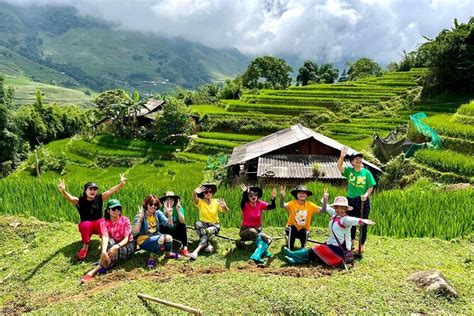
360	184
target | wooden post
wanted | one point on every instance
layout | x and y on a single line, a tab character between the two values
37	163
182	307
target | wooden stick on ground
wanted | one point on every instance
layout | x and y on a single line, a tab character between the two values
182	307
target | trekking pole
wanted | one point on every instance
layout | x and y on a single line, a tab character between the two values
219	236
182	307
360	230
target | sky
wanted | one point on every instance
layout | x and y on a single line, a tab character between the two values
322	30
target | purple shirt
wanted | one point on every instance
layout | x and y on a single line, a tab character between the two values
252	215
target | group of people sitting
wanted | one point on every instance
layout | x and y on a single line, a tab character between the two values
162	220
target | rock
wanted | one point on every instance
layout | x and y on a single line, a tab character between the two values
434	281
15	224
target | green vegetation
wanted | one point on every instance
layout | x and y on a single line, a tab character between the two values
41	42
39	274
447	160
25	90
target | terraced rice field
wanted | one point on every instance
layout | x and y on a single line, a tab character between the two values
282	108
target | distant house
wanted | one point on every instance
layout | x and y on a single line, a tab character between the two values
293	155
145	116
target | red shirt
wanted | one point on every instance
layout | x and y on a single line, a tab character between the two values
118	230
252	215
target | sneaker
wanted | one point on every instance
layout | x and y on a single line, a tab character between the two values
102	270
209	248
81	254
184	252
193	256
86	278
172	255
151	263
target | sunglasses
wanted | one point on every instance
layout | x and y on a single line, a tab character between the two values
154	204
253	195
118	208
207	192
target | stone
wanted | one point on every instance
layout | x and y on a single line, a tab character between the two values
435	282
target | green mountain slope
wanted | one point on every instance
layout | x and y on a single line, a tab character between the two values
56	43
25	92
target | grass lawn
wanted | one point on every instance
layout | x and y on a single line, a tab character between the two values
39	273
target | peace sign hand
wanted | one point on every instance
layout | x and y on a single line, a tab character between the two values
122	178
244	188
325	194
282	191
178	204
62	185
274	193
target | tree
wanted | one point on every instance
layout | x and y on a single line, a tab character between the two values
108	100
9	140
311	72
450	58
174	121
267	72
232	89
364	67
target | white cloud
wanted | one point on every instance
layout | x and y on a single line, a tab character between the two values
325	30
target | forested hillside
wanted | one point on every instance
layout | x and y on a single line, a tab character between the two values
55	44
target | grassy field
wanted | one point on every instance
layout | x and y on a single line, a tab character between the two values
39	273
25	91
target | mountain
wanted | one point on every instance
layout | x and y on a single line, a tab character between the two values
56	43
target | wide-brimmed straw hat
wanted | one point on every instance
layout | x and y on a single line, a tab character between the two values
341	201
256	190
301	188
169	194
209	186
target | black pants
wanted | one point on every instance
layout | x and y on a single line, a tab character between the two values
292	232
356	204
178	232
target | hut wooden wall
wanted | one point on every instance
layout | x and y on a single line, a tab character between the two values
307	147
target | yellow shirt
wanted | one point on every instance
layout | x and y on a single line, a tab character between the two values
209	213
151	229
300	215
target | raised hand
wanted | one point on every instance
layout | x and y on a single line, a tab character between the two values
122	178
222	203
282	191
368	222
140	213
62	185
200	189
325	194
244	188
344	152
178	204
274	193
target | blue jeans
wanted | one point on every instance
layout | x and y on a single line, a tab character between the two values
151	244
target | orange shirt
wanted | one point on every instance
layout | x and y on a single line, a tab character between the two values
300	215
